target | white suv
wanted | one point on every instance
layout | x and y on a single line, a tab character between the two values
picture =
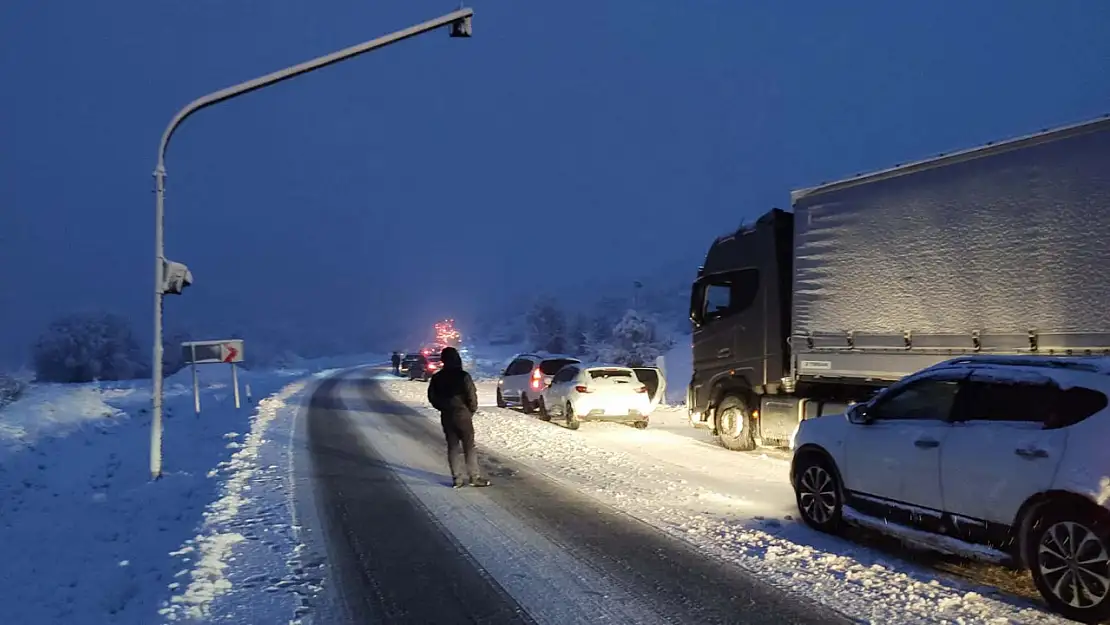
524	380
598	392
1009	453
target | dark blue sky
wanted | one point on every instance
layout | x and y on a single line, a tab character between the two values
438	173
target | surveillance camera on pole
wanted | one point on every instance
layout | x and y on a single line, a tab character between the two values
175	277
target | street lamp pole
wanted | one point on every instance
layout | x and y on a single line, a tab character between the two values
459	21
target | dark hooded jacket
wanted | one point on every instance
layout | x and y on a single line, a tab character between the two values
451	391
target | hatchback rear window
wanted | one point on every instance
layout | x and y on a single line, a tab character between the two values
610	374
551	367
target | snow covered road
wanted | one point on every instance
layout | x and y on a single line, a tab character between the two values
404	547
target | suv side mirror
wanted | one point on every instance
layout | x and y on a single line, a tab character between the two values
857	413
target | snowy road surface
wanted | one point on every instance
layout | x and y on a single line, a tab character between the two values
733	507
404	547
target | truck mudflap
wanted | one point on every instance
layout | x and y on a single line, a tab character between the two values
780	415
778	418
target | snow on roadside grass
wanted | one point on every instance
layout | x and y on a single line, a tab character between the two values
52	409
87	539
225	527
857	581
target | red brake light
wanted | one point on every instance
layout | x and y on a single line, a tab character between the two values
642	389
536	373
582	389
537	379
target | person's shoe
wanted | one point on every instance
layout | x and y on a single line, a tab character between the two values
479	481
459	483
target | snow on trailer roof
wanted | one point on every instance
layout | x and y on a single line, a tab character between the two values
945	158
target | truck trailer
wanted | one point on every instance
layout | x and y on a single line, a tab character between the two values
1001	249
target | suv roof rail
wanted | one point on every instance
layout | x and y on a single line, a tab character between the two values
1092	364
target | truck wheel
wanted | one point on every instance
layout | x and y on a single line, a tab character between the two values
1069	557
500	400
733	422
817	490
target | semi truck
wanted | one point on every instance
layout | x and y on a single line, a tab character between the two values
1000	249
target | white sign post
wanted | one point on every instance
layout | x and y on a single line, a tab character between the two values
228	351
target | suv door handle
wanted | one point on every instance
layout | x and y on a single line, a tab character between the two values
724	352
1031	453
926	443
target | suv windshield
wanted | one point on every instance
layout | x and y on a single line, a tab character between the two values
551	367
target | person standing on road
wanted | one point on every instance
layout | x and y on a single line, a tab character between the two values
451	391
396	359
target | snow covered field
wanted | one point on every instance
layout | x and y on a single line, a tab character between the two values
89	539
734	506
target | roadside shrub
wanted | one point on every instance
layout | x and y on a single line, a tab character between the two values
547	326
85	347
635	341
10	389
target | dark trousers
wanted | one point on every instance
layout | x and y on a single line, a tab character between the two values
459	429
396	369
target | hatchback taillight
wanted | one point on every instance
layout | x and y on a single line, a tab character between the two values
582	389
642	389
537	378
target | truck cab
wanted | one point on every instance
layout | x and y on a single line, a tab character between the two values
740	310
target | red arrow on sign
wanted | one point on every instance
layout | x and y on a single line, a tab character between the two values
231	353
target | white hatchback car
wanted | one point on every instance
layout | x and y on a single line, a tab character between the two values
1010	453
595	392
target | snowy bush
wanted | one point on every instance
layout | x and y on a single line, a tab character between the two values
635	341
85	347
547	326
579	335
10	389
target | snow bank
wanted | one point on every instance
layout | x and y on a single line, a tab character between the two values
226	526
736	507
53	410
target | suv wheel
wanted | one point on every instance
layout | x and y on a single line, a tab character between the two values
525	405
542	408
817	490
733	422
1069	557
500	400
